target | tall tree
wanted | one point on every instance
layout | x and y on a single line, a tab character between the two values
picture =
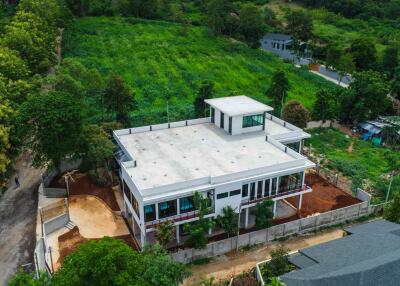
278	90
218	15
205	92
164	233
323	106
33	39
102	262
11	65
199	229
263	214
161	269
229	220
295	113
366	97
118	98
52	124
251	24
345	66
333	53
299	25
390	60
364	53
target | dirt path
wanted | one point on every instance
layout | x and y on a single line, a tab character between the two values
18	220
226	266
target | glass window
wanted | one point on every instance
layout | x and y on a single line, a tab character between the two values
294	146
212	115
245	190
230	125
253	120
273	187
266	188
259	189
252	191
149	213
131	198
222	195
186	204
234	193
222	120
166	209
290	182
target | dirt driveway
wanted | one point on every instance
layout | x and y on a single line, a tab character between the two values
231	264
18	220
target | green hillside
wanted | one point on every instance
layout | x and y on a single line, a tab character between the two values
165	61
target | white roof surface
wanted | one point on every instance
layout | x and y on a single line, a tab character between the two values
238	105
179	154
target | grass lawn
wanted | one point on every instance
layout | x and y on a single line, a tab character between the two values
362	162
163	61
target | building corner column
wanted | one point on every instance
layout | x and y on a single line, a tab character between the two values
178	241
246	220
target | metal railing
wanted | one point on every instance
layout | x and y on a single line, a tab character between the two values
256	200
174	219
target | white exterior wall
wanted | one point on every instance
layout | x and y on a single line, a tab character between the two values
233	201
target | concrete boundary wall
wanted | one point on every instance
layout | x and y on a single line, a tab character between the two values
363	195
304	225
55	223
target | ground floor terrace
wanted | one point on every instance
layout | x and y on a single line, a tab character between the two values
294	205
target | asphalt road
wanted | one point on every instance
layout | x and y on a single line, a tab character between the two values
18	208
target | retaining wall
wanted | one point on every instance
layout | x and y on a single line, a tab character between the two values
55	223
303	225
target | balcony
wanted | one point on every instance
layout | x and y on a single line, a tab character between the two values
295	191
173	219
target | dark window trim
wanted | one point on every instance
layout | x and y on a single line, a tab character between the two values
235	192
222	195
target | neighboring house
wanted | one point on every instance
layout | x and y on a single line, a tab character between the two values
281	45
236	157
372	129
368	256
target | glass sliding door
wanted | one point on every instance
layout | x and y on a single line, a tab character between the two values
266	188
290	182
259	189
274	186
167	209
252	191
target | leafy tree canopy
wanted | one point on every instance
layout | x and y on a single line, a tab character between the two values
295	113
102	262
264	214
299	25
229	220
52	124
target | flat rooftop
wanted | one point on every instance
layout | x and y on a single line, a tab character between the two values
179	154
238	105
276	129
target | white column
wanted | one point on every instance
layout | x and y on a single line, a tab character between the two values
275	208
156	206
210	231
300	201
142	238
177	234
178	209
246	220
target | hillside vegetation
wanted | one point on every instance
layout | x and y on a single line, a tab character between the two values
166	61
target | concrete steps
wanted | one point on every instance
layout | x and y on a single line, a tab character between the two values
70	225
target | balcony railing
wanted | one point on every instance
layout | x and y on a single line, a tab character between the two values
256	200
174	219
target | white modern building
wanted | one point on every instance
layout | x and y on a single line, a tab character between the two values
238	156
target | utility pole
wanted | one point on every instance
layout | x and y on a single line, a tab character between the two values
390	186
238	230
168	111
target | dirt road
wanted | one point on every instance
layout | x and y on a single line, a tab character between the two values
18	220
226	266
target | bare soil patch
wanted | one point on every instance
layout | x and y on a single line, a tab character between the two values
82	185
324	197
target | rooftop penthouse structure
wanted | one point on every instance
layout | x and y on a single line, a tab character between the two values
238	156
